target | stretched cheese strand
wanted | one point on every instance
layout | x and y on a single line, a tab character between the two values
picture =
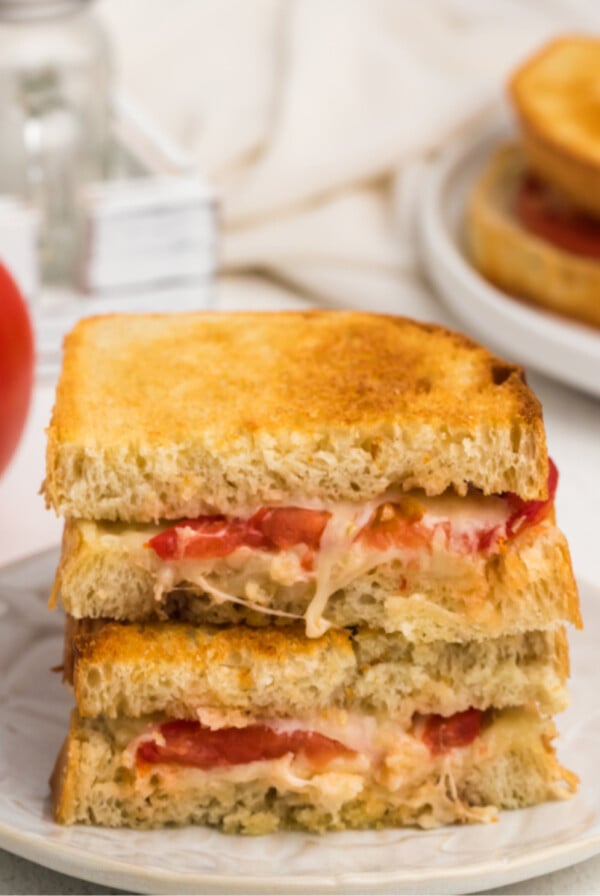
336	541
221	597
339	550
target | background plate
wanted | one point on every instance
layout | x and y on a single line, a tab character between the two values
556	346
34	710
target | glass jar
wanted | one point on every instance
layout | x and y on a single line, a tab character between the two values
55	75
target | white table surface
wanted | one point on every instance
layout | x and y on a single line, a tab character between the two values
573	426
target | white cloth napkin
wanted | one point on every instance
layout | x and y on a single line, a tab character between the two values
314	118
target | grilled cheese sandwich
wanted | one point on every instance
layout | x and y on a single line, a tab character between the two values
306	587
533	218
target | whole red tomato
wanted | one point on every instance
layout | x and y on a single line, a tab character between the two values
16	365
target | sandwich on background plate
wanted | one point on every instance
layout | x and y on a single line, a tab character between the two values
312	574
533	219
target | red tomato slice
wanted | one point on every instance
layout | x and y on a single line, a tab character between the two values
395	525
443	734
545	213
270	529
208	536
192	744
278	528
284	527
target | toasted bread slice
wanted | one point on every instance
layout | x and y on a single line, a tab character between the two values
555	94
510	764
106	572
170	416
186	671
517	261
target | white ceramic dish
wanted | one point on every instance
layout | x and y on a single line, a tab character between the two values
34	711
563	349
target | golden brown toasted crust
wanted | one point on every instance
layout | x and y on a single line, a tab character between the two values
176	642
555	95
135	670
518	261
261	667
162	416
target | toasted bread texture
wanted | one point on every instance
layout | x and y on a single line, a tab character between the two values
454	597
180	670
167	416
510	765
518	261
555	94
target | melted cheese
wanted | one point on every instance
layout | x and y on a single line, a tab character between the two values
454	524
467	517
217	594
388	756
370	737
336	543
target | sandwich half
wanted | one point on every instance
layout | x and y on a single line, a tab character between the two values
256	730
555	94
316	466
529	241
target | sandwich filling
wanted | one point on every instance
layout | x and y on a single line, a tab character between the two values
328	771
544	212
336	752
331	546
333	758
319	742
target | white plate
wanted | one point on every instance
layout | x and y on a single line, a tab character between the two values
563	349
34	711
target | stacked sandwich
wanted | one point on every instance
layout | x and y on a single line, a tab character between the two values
534	216
311	573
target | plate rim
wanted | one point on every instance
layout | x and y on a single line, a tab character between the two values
437	249
71	860
82	863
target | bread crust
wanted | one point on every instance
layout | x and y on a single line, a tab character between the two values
135	670
554	93
520	262
164	416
